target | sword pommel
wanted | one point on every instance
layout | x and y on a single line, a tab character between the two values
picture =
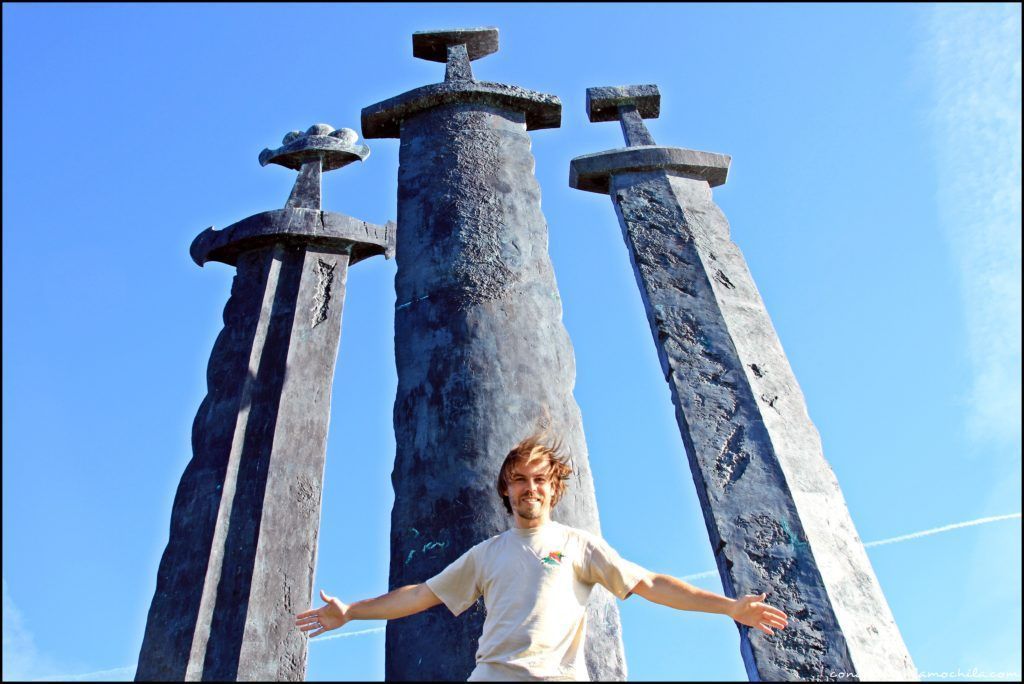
433	45
603	103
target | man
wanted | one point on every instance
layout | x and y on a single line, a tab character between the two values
535	579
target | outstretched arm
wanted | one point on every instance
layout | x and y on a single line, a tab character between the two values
407	600
675	593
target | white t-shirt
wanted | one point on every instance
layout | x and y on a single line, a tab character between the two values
535	584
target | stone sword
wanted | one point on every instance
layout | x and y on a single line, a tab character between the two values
482	355
245	520
775	515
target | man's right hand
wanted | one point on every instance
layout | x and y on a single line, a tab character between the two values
407	600
331	615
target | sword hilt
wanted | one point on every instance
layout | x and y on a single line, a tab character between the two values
630	105
319	149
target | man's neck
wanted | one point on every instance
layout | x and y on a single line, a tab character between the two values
531	524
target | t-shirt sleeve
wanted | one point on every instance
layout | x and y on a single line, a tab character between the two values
458	585
603	565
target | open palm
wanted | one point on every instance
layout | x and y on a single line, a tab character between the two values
331	615
751	611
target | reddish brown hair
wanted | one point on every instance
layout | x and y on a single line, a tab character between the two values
534	448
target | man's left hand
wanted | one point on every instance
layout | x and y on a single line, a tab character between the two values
750	611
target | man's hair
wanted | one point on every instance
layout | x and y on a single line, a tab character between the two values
535	448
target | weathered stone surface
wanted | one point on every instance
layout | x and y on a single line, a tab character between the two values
633	128
246	517
383	120
295	226
334	148
240	558
458	68
482	356
306	193
775	514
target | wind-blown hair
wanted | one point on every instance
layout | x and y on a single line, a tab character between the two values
530	449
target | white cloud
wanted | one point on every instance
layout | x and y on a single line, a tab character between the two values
973	55
21	658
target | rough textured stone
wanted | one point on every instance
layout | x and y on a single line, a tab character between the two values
240	558
239	561
633	128
333	148
294	226
458	68
483	359
775	515
383	120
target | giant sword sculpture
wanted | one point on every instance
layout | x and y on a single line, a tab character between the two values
480	347
773	509
242	549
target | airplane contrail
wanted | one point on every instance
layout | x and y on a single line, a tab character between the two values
100	676
698	575
347	634
944	528
895	540
129	671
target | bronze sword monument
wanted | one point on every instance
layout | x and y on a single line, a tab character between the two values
773	508
246	516
480	347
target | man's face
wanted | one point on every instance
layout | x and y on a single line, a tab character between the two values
530	491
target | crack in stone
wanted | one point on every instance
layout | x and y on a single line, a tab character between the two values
732	460
682	287
322	298
306	497
724	279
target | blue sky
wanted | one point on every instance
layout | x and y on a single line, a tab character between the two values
874	190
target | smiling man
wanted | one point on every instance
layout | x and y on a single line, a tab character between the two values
535	579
